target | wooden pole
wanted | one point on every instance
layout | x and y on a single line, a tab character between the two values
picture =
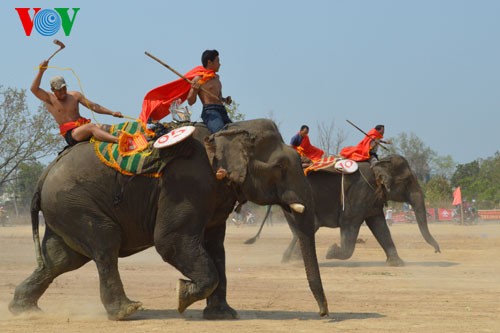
359	129
180	75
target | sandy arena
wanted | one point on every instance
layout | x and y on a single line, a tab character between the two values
455	291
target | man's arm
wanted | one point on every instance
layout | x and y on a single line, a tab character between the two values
295	141
227	100
193	92
35	86
96	107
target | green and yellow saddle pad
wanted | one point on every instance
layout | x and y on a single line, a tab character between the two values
133	155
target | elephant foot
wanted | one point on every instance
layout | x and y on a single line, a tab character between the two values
220	312
125	310
294	256
333	252
395	262
185	294
16	307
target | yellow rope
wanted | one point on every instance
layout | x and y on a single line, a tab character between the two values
81	89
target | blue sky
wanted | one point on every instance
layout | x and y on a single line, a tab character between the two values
427	67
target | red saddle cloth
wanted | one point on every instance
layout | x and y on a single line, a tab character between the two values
321	164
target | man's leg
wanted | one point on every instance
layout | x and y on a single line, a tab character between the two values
213	120
86	131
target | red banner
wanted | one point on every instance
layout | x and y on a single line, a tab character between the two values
431	214
445	214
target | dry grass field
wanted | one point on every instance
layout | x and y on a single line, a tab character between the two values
455	291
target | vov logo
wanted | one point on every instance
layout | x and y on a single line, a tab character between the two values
47	22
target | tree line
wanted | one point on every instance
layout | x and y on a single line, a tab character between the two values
27	137
478	180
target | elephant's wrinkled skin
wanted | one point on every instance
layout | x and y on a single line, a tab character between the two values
262	169
95	213
366	192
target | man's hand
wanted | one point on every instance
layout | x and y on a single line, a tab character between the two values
227	100
117	114
43	66
195	84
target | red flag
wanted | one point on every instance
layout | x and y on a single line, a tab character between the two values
157	102
457	197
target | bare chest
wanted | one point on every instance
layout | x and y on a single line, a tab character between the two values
65	110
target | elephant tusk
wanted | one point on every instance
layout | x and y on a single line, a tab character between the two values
298	208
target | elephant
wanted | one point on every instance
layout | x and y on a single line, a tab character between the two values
262	169
348	200
93	212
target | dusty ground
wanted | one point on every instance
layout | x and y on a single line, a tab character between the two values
455	291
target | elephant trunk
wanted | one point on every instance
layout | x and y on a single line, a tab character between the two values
417	202
308	248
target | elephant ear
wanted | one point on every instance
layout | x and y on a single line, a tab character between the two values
230	149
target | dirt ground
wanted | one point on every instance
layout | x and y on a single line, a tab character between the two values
455	291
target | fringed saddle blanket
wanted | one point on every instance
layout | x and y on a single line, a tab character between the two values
133	154
323	163
335	164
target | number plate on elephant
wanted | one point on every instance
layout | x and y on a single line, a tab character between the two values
174	136
346	166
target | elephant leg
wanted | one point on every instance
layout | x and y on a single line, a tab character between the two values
106	246
113	297
348	235
183	249
380	230
58	259
217	307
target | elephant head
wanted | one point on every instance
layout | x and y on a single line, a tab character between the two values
261	168
399	183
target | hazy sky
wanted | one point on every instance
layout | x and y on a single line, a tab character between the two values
428	67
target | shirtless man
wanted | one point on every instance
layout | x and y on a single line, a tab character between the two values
214	114
64	107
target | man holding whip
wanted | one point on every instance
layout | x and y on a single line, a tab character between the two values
64	107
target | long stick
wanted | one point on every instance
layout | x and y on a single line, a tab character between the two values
359	129
180	75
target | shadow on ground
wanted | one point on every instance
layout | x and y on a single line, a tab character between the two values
197	315
384	264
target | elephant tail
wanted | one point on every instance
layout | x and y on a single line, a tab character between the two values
254	238
35	221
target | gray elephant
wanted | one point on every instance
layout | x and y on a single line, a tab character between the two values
262	169
365	194
95	213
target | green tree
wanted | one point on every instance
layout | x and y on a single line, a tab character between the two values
24	136
480	180
234	112
443	166
438	192
419	156
27	177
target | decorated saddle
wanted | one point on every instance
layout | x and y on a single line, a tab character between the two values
335	164
134	154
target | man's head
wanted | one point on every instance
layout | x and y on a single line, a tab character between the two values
304	130
210	60
58	87
380	129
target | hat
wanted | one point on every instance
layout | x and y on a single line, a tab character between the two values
57	82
